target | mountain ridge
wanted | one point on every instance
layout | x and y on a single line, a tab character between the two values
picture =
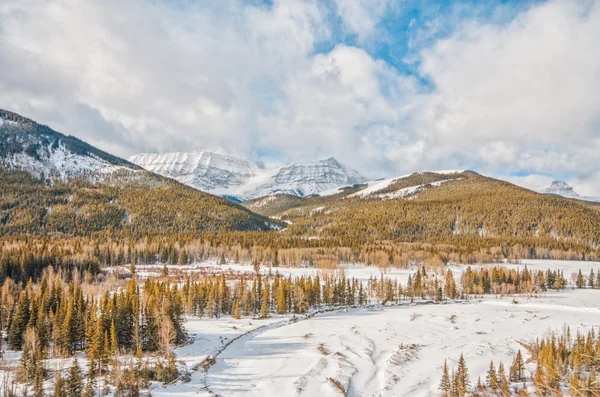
54	183
243	180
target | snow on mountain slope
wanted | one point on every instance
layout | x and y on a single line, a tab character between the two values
382	184
560	188
60	163
28	146
232	177
563	189
400	193
376	186
202	170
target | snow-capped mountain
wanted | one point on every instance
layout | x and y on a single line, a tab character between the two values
563	189
204	171
47	154
231	177
560	188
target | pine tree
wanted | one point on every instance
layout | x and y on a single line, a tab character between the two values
264	307
281	301
19	322
59	387
132	268
445	383
38	385
580	280
439	294
114	343
491	378
235	310
74	383
25	367
503	381
517	369
463	376
450	287
182	260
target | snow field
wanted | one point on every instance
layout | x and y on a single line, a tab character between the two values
394	350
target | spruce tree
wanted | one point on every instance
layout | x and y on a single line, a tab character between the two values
19	322
114	343
38	381
580	281
182	260
281	301
517	369
450	287
235	310
491	378
462	376
74	383
59	387
264	307
445	383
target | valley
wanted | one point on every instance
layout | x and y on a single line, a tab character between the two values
119	280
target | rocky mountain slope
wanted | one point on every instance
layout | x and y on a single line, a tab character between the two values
52	183
45	153
242	180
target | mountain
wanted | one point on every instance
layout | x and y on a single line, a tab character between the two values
204	171
560	188
57	184
563	189
240	179
442	207
45	153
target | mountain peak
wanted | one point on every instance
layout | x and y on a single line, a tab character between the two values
232	177
45	153
560	188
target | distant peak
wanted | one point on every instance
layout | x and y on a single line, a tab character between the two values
561	184
560	188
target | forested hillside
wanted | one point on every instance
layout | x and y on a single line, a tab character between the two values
151	205
460	209
53	184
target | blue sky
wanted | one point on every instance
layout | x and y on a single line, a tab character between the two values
506	88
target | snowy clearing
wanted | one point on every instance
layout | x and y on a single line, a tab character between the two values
377	351
392	351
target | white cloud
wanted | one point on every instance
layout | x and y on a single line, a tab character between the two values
138	75
362	16
534	182
521	95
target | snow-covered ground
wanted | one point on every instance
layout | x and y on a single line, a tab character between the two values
360	271
376	351
209	337
392	351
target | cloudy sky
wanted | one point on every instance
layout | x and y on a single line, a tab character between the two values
508	89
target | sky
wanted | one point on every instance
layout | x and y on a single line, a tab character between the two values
509	89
